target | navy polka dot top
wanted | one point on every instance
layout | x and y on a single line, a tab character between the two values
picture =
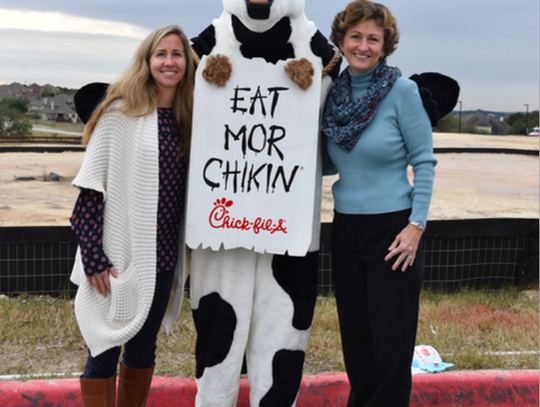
87	218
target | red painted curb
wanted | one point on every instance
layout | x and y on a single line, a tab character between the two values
494	388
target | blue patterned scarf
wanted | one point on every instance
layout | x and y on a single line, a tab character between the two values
345	118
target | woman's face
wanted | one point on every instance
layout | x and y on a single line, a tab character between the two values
168	63
363	46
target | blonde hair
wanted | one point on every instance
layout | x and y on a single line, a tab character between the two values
361	10
136	90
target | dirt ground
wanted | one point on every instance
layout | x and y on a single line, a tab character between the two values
466	185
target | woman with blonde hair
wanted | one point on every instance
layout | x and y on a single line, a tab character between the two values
129	218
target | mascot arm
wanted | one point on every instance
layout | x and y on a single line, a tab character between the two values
204	42
218	68
331	57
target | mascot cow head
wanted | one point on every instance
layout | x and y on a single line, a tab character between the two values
261	15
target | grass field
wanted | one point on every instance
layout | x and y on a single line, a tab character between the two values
473	330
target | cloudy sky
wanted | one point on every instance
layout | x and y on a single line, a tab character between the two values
490	46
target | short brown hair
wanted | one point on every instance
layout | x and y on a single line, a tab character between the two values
361	10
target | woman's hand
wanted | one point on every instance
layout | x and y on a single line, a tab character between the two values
101	282
404	246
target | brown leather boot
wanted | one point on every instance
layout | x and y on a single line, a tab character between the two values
98	392
134	386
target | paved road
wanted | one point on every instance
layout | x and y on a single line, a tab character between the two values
49	130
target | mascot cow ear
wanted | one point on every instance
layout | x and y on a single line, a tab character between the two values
439	94
88	97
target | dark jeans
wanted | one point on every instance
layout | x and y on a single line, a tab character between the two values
139	351
377	308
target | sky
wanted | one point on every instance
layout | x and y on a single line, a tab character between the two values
491	47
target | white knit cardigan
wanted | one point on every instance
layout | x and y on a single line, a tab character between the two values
122	162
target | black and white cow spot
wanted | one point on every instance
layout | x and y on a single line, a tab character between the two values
215	321
298	278
287	375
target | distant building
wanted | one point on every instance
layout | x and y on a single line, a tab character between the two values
38	90
16	91
52	89
486	124
484	129
55	108
58	107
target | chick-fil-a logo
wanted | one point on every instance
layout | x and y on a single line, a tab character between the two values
220	219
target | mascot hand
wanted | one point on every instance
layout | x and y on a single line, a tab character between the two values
218	70
301	72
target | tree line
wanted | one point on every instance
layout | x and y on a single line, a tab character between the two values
13	120
520	123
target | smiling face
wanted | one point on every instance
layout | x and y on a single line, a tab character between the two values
167	67
363	46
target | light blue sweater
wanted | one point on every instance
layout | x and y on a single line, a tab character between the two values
373	175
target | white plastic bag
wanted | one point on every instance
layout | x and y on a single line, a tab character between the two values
427	360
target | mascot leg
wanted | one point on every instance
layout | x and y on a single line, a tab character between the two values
222	300
260	305
284	302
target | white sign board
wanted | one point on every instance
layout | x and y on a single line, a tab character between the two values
253	161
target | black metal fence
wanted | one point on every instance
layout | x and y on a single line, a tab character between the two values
480	253
476	253
36	260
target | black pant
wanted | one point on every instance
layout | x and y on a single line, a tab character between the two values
377	308
139	351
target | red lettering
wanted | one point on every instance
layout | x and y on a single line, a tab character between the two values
219	219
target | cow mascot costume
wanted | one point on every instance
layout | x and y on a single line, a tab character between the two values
252	308
249	306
